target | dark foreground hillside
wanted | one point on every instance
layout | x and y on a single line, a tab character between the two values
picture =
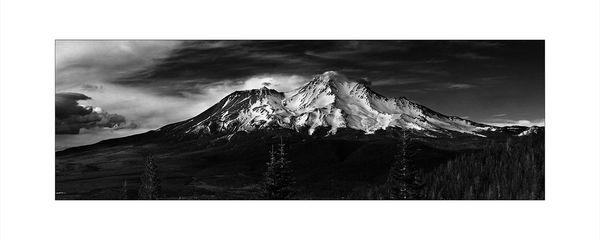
348	165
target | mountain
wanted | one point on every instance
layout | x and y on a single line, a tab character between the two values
329	100
340	136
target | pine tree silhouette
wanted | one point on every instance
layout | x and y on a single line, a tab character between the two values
150	182
269	185
402	182
124	190
278	178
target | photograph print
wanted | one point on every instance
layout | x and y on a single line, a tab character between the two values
299	120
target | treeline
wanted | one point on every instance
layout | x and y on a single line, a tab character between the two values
278	182
509	170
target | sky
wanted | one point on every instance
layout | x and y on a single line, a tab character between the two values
107	89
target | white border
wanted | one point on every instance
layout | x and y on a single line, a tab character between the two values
28	30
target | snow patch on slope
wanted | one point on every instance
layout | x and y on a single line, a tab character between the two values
529	131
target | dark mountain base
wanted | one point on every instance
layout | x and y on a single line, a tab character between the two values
348	165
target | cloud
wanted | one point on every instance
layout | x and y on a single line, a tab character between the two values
434	87
86	62
399	81
225	60
109	54
477	43
153	110
499	115
66	105
71	117
460	86
95	70
509	122
471	56
280	83
357	49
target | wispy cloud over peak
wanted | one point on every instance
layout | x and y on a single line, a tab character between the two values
278	82
460	86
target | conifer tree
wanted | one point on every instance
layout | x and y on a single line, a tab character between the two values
124	190
150	181
278	178
402	182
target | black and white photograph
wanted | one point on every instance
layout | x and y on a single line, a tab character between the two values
300	120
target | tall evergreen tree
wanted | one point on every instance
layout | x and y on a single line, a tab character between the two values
124	190
402	182
150	181
278	179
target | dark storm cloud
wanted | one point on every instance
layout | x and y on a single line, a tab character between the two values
233	59
490	72
194	64
70	117
210	61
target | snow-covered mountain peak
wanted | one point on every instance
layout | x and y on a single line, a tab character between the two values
324	90
330	76
332	79
328	100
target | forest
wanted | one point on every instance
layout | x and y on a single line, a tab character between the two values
511	169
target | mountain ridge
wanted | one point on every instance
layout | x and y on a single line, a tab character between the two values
266	109
329	100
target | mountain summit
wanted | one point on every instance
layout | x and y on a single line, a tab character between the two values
329	100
